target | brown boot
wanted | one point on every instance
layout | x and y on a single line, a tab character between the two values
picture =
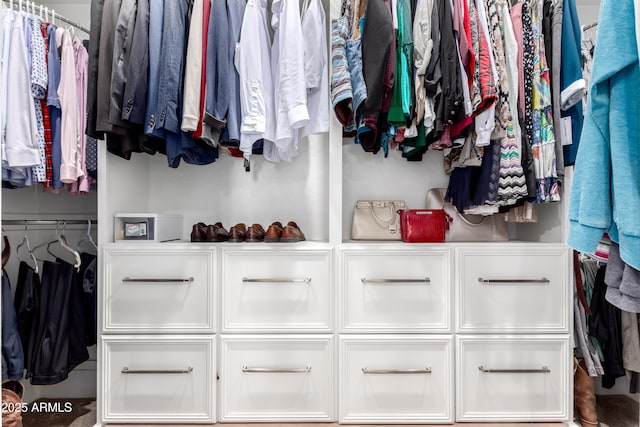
584	395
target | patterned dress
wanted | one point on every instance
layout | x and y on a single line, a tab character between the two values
511	182
543	139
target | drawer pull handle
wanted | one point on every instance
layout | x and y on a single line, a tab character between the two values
425	280
544	370
500	281
395	371
130	280
126	370
304	370
303	280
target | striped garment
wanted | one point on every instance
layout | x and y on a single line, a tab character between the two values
341	91
511	182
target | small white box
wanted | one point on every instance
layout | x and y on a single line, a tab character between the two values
148	227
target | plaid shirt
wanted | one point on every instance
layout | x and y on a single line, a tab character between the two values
48	139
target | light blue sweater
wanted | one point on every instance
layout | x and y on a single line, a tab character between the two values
605	195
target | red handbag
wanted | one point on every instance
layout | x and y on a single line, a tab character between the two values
423	225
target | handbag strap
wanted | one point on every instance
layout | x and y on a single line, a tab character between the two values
380	221
469	223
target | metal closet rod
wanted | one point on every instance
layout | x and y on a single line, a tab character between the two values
48	221
60	17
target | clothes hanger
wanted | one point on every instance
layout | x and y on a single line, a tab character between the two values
25	242
49	241
6	252
62	240
87	238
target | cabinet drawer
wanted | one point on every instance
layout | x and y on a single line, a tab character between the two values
159	290
512	379
276	291
393	380
395	291
513	289
277	378
159	379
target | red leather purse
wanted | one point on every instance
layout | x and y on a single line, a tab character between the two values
423	225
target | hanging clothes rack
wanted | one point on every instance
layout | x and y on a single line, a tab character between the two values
49	222
52	11
590	26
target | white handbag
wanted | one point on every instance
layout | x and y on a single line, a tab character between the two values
376	220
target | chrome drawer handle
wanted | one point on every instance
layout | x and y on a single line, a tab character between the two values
544	370
396	371
425	280
304	370
126	370
130	280
499	281
276	280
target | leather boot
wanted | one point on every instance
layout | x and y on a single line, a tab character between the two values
584	395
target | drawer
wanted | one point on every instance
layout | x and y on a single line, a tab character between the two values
396	291
158	379
512	378
159	290
396	379
277	378
513	288
276	291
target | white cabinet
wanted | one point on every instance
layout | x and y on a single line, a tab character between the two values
277	378
155	288
159	378
158	343
396	379
513	378
401	290
276	289
513	288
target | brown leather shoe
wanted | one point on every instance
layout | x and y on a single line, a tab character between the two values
199	232
292	233
238	233
274	232
222	232
255	233
217	233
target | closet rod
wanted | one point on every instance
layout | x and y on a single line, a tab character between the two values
590	26
48	221
60	17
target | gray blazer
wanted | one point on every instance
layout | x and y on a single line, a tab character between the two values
135	90
121	53
92	71
110	13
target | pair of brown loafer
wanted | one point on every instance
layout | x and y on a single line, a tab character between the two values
240	233
290	233
209	233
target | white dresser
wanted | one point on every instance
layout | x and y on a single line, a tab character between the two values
277	353
394	334
406	311
158	307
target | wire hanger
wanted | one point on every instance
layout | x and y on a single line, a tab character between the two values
25	242
87	238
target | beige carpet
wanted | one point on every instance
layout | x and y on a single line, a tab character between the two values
618	411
